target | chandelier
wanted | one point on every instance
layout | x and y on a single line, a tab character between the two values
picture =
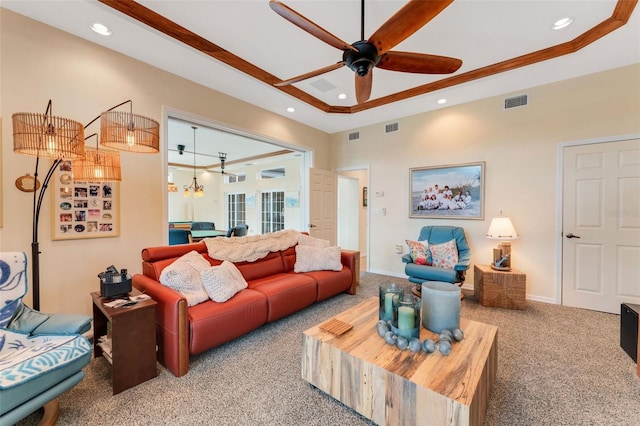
198	190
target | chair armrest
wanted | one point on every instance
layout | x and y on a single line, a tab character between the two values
64	324
464	262
172	324
407	258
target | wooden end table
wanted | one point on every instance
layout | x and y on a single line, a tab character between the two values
133	340
500	289
394	387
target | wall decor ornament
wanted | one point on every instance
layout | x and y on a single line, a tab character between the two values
447	192
83	209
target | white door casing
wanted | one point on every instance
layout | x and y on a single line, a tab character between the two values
601	225
348	220
323	216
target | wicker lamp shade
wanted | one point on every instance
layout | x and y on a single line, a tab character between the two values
129	132
97	166
47	136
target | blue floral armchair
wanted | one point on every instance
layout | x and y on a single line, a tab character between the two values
41	356
438	235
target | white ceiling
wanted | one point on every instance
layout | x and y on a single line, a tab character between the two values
479	32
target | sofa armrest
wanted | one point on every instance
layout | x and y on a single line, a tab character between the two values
406	258
351	259
172	326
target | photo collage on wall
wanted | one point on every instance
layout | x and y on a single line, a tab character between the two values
83	209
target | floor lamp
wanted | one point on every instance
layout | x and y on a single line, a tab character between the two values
48	136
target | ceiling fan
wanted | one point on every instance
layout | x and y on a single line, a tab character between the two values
362	56
222	156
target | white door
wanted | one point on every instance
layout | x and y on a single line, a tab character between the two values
601	225
348	213
323	204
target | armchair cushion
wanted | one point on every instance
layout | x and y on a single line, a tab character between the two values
31	364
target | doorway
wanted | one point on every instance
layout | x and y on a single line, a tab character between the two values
360	204
601	224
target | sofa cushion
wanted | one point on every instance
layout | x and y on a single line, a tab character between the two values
286	293
222	282
331	283
444	255
212	324
183	275
269	265
317	259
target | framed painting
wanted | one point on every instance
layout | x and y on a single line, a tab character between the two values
447	192
83	209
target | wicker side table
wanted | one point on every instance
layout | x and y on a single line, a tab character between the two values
500	289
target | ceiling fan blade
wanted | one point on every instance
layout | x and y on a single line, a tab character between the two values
363	87
312	28
413	16
310	74
419	63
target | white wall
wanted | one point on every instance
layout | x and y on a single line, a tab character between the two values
39	63
519	147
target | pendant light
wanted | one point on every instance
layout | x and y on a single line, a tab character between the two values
198	190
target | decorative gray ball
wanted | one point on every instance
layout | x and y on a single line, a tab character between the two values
458	334
402	343
415	345
429	346
446	333
444	338
390	337
444	347
382	328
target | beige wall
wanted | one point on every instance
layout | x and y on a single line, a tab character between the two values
39	63
520	148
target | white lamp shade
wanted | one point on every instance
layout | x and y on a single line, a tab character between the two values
501	228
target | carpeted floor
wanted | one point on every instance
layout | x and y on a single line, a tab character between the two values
556	366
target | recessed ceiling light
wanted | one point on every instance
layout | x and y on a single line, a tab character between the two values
101	29
442	101
562	23
342	96
291	109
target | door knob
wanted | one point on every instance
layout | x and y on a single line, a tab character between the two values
311	225
570	235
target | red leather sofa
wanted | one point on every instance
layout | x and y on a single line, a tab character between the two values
274	291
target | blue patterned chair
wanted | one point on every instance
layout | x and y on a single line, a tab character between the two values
41	356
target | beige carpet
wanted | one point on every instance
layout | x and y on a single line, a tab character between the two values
556	366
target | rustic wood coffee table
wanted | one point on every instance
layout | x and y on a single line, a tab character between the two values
394	387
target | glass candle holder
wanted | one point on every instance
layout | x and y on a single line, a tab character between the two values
405	319
440	306
387	293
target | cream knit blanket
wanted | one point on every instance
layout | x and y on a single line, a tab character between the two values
251	247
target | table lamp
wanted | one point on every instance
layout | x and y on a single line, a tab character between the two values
502	229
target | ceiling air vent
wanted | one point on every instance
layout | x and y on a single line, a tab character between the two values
391	127
354	136
516	101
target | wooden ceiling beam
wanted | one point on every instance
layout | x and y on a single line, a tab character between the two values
619	17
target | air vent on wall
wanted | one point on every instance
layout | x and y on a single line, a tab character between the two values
516	101
391	127
354	136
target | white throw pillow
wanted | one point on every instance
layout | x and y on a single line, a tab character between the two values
306	240
317	259
222	282
183	275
